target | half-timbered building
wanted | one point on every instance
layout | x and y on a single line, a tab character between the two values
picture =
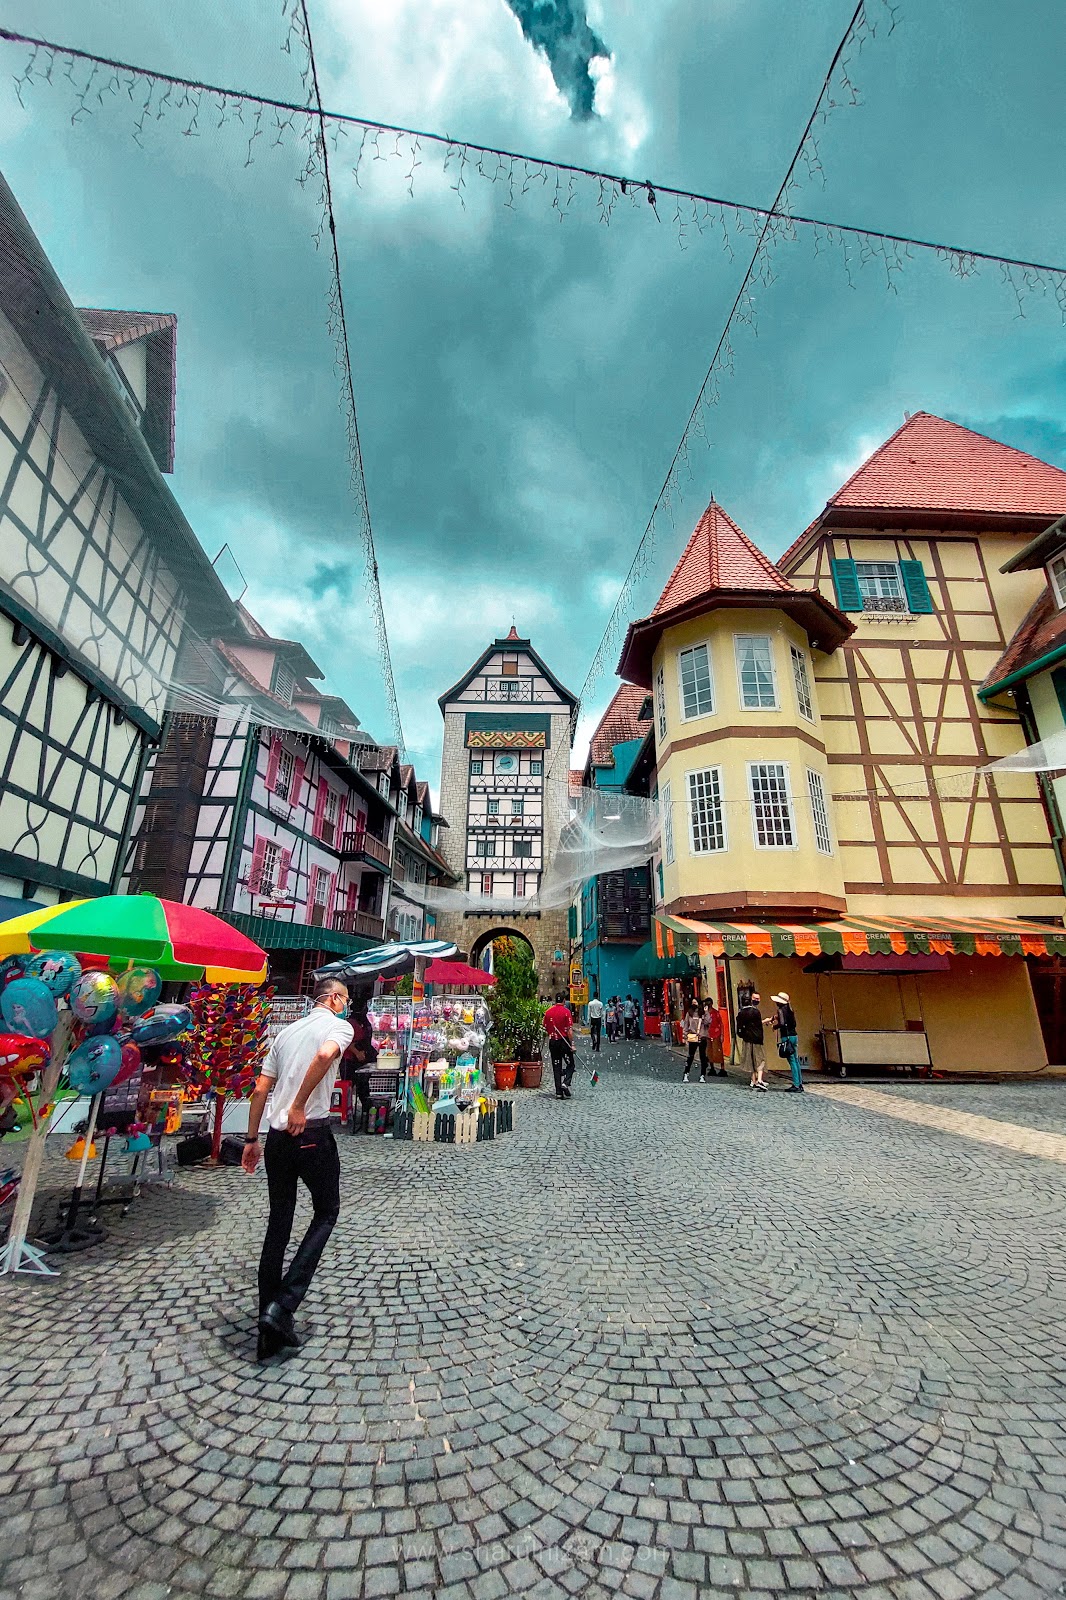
820	746
99	571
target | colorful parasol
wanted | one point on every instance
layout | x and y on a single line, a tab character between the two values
182	942
382	960
457	972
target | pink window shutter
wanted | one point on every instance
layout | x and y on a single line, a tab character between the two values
312	885
353	897
331	899
255	874
297	780
320	808
283	869
338	837
272	765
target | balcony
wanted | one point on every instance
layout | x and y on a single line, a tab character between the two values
359	922
359	845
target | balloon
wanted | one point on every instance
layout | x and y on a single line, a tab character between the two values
138	990
56	969
27	1006
94	997
131	1062
11	967
19	1054
94	1065
164	1022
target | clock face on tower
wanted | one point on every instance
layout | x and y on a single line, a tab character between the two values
506	763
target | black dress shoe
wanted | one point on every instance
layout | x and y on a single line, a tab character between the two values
275	1321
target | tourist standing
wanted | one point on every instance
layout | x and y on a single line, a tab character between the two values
693	1042
559	1026
711	1031
298	1074
784	1021
612	1019
629	1017
750	1038
595	1015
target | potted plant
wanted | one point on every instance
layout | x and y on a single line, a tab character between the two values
514	1040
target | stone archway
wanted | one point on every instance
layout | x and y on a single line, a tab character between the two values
479	945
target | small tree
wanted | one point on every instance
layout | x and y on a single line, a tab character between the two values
513	1005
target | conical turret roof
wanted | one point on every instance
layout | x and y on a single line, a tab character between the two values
719	555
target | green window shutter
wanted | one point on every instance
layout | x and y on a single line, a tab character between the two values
572	922
846	584
1058	683
918	597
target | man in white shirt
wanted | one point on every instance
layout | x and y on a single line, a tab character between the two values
298	1074
595	1016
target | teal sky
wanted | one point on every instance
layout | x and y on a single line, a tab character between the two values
523	381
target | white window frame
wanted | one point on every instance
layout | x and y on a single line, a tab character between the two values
1056	573
714	775
893	603
666	804
492	807
286	774
269	868
690	650
819	801
518	808
660	705
738	640
781	767
801	681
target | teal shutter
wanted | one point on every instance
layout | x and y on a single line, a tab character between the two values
1058	683
918	597
846	584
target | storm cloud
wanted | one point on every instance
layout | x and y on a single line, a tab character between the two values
560	28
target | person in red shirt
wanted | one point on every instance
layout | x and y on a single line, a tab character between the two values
559	1026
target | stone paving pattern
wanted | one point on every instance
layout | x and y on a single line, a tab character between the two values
671	1342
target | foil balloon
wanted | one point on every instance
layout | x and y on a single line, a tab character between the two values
94	998
94	1065
27	1006
138	990
58	970
11	967
18	1054
163	1022
131	1062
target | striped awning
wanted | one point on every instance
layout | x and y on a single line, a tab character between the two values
884	936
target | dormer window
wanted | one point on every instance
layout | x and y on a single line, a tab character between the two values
282	682
509	667
1056	571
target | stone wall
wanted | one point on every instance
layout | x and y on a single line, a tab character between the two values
546	933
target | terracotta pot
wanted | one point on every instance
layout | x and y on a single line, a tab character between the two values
504	1074
530	1074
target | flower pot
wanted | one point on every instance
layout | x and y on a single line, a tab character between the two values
504	1074
530	1074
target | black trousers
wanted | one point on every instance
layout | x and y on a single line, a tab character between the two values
693	1046
310	1158
564	1064
595	1026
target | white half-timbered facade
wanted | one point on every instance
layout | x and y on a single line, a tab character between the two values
98	572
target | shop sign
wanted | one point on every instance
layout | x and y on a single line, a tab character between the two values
579	994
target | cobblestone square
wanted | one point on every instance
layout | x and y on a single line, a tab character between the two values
672	1342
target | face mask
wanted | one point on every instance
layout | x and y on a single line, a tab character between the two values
343	1012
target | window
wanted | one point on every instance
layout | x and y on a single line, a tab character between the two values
755	670
706	816
268	872
694	673
659	874
514	688
660	706
494	808
383	784
401	804
509	667
771	805
518	808
283	781
283	682
416	821
823	839
880	586
536	769
666	806
1056	572
485	847
519	885
476	766
522	848
486	883
330	813
802	681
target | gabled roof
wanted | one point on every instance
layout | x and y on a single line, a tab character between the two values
620	722
718	556
512	642
721	567
1041	631
379	758
422	791
109	331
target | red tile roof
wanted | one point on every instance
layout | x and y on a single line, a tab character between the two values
933	465
718	556
1043	628
621	721
575	781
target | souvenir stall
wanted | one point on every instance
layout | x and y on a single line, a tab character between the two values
72	1022
668	981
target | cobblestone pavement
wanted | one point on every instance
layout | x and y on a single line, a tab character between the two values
673	1342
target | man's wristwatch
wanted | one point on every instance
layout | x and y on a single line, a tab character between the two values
251	1138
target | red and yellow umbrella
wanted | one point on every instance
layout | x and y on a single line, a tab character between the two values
182	942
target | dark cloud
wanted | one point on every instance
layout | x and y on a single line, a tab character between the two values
560	29
337	578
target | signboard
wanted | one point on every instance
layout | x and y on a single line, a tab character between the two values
579	994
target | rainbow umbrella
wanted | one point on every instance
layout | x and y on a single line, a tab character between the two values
182	942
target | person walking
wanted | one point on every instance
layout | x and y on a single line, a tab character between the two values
784	1021
694	1042
559	1026
711	1031
595	1016
612	1019
629	1016
750	1037
298	1074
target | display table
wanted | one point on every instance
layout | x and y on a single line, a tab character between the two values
870	1047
